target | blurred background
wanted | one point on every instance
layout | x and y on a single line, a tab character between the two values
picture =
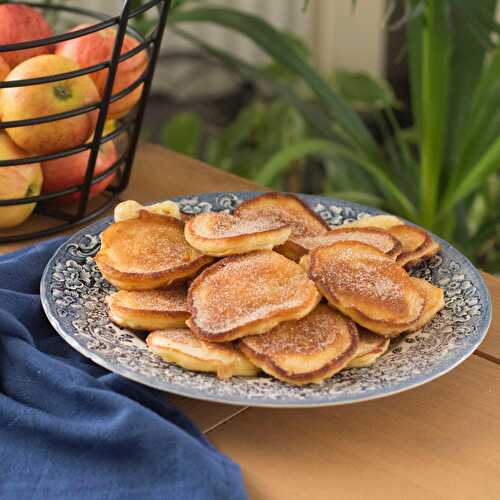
389	103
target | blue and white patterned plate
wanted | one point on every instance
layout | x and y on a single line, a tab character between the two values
73	293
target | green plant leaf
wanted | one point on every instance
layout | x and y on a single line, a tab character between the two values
182	133
364	92
278	47
414	40
434	99
282	160
467	58
477	174
483	124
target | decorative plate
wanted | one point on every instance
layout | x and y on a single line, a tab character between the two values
73	292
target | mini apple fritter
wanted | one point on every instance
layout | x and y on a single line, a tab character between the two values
220	234
147	252
182	347
370	348
366	285
308	350
149	309
287	209
248	294
378	238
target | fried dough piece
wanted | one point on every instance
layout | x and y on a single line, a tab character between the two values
370	348
147	252
378	238
417	244
220	234
130	209
149	309
366	285
308	350
433	303
182	347
287	209
248	294
384	221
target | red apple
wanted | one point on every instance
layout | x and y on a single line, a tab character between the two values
69	171
17	182
21	23
96	48
4	68
34	101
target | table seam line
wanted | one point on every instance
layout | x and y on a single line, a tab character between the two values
225	420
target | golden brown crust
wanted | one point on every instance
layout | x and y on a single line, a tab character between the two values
371	346
365	285
219	234
434	302
379	238
271	350
227	301
416	243
311	221
149	309
182	347
287	208
147	253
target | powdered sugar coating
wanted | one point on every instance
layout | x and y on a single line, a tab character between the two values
361	277
168	300
377	238
242	289
220	225
151	243
308	335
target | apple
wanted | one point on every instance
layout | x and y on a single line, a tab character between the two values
4	71
69	171
21	23
4	68
34	101
17	182
96	48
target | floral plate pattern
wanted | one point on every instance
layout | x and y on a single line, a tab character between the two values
73	292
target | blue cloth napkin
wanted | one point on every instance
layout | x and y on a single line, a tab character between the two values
71	430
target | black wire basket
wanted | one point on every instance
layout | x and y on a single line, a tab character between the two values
56	217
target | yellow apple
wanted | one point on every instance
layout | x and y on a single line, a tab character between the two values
34	101
17	182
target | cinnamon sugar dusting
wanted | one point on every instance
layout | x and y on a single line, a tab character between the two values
300	227
247	288
311	334
379	239
361	279
220	225
145	246
167	300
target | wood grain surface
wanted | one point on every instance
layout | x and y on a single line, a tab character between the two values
437	441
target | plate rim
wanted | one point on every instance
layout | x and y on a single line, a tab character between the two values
123	371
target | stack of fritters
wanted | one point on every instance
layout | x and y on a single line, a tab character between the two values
256	307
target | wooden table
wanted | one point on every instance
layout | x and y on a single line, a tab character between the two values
440	440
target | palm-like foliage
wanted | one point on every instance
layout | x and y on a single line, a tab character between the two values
447	179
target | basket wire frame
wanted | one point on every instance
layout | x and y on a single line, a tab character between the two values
131	124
